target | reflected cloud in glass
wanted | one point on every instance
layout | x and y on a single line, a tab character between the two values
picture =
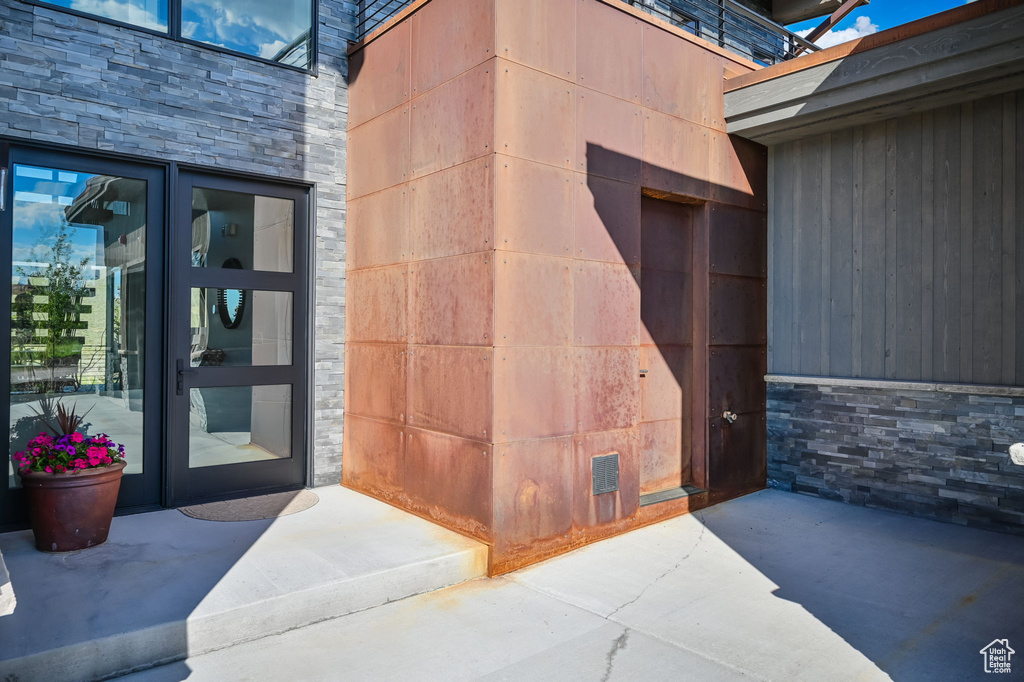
278	30
151	14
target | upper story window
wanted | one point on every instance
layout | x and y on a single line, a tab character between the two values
278	30
151	14
273	30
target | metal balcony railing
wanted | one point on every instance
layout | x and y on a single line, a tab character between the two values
374	13
731	26
722	22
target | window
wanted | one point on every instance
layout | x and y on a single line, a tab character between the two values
151	14
279	31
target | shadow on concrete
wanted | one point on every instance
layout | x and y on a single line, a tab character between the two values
149	577
918	598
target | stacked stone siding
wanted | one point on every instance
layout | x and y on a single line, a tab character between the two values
941	453
88	85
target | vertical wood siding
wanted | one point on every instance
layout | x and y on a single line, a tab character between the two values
897	248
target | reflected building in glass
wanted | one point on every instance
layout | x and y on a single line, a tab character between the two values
77	303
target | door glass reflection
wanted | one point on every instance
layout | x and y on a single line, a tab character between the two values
238	230
78	293
241	327
234	424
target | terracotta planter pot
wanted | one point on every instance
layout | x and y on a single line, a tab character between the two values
72	511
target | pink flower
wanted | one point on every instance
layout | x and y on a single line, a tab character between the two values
49	470
77	437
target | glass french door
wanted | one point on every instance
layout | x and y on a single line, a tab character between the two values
83	247
237	376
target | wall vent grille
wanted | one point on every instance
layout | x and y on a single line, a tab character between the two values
606	473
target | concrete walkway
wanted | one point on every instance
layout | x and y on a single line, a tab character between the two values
165	586
772	586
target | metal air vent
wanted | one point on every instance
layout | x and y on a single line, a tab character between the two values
606	473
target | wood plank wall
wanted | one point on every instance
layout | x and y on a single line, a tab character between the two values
896	249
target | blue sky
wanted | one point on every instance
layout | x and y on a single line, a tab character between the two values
878	16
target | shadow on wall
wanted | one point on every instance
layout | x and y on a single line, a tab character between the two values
703	326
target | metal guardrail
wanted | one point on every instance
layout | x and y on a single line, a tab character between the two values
374	13
722	22
731	26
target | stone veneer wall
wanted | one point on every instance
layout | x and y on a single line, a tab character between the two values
92	86
934	450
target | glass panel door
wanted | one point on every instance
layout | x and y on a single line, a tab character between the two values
84	314
239	375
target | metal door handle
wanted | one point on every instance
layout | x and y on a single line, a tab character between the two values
181	376
729	416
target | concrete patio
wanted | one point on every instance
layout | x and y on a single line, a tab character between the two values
771	586
165	585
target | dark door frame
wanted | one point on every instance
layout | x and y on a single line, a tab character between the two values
137	490
233	480
161	208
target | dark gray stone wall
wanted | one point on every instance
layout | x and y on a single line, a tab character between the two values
936	454
940	454
94	86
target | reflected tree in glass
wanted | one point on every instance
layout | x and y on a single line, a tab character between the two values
61	288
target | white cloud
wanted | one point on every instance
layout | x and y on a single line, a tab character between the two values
862	27
270	50
127	11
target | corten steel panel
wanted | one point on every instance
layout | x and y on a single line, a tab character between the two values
535	115
666	235
452	211
591	510
450	37
666	307
533	300
449	479
532	393
675	155
607	220
534	207
377	228
736	381
667	388
737	311
607	382
678	76
739	241
606	308
374	456
375	381
538	33
375	304
613	125
452	300
454	122
379	153
736	459
532	494
719	69
609	50
664	455
450	390
379	76
739	171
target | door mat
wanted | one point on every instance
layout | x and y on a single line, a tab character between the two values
253	508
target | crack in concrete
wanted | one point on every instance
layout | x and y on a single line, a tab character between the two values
670	570
618	645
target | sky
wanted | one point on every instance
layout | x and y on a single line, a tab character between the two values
877	16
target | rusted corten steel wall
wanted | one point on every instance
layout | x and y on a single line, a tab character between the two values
498	153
